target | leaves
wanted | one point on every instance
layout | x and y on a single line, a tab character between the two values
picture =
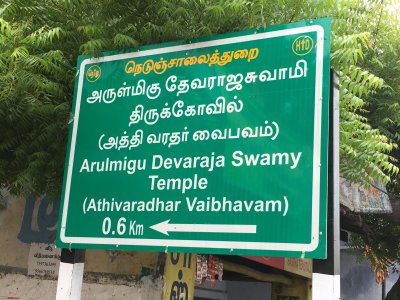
44	36
41	41
33	85
364	151
365	53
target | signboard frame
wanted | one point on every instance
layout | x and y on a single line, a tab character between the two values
318	230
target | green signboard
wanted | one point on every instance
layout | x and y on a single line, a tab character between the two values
216	145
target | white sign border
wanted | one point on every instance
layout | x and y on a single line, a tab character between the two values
201	243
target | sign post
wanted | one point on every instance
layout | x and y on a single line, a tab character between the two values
216	145
70	274
326	273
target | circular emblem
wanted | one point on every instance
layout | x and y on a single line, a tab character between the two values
93	73
302	45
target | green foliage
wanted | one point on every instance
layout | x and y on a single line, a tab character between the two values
39	44
364	150
365	51
379	243
34	107
41	39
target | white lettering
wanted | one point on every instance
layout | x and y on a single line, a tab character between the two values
290	159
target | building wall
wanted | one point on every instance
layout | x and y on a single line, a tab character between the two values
357	281
239	290
14	253
234	290
21	287
31	223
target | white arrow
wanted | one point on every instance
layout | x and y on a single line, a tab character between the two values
165	227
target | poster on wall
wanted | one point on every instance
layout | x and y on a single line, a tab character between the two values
44	260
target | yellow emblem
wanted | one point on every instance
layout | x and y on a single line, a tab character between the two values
93	73
302	45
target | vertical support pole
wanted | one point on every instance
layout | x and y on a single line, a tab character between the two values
384	289
70	274
326	273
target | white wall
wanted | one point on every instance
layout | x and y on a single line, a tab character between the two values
29	288
19	228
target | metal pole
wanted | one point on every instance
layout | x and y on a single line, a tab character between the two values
70	274
326	273
384	289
